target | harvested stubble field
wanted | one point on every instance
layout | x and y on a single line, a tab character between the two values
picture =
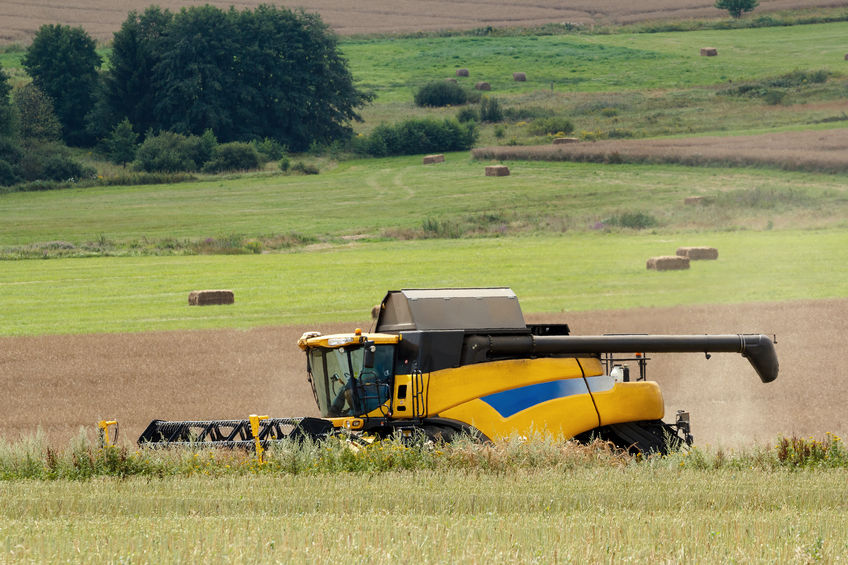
815	151
102	17
60	383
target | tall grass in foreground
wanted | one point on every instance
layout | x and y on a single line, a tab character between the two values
32	458
516	502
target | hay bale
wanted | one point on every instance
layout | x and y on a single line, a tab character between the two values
846	56
429	159
698	253
462	72
497	171
375	311
668	263
483	86
519	77
709	51
694	200
451	79
563	140
207	297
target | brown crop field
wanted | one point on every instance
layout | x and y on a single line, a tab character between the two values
101	18
60	383
818	151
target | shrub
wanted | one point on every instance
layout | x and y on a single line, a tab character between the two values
235	156
303	168
170	152
467	115
440	93
420	136
551	126
490	110
633	220
269	149
285	163
8	174
62	168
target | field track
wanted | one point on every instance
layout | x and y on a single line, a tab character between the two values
101	18
63	382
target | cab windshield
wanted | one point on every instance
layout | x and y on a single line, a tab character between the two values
343	387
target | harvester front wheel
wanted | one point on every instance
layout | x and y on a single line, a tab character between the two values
648	436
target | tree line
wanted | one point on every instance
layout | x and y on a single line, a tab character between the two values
267	73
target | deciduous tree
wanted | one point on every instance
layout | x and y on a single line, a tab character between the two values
62	62
737	7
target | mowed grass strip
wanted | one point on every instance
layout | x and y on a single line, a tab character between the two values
368	196
589	515
553	273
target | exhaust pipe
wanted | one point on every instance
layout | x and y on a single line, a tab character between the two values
758	349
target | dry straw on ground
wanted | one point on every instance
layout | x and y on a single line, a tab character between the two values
818	151
60	383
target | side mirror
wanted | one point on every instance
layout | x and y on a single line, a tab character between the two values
368	357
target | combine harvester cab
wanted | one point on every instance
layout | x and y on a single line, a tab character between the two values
443	362
449	361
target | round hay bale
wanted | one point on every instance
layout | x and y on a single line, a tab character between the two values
694	200
483	86
497	171
846	56
210	297
451	79
462	72
668	263
519	77
698	253
375	311
709	51
430	159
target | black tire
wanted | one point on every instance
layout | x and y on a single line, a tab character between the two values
649	436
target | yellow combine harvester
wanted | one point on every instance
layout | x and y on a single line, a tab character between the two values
448	361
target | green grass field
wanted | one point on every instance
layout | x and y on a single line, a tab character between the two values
380	196
549	273
594	63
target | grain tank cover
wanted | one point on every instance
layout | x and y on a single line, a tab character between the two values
470	309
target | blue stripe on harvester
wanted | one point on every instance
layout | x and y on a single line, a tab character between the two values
512	401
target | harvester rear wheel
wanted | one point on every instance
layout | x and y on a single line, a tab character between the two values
648	436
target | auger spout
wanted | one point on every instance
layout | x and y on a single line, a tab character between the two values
758	349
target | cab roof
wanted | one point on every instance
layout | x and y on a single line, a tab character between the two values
471	309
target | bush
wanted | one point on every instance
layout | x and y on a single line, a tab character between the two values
420	136
269	149
170	152
490	110
467	115
285	163
304	169
551	126
633	220
63	168
8	174
440	93
235	156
